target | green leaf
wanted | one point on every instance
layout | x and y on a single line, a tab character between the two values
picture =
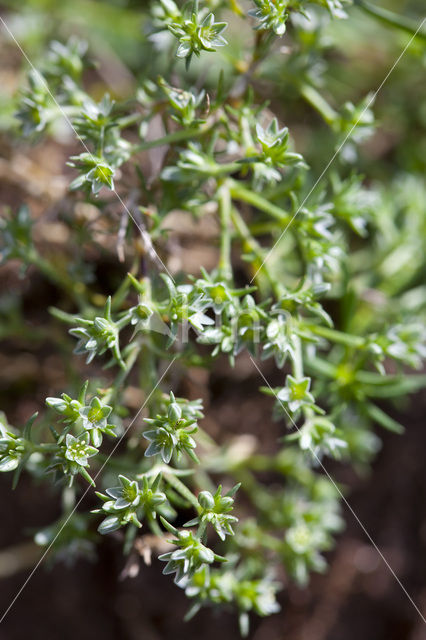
383	419
112	523
8	463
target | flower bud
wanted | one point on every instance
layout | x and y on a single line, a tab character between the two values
206	500
174	412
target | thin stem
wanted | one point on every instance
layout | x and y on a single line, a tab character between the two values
298	359
172	138
392	19
225	266
122	375
148	374
252	245
336	336
75	289
68	499
165	469
45	447
315	99
67	111
155	527
240	192
182	489
235	6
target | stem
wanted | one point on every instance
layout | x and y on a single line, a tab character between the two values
129	538
172	138
75	289
315	99
240	192
336	336
122	375
392	19
155	528
123	322
45	447
253	246
165	469
127	121
100	151
182	489
67	111
68	499
235	6
148	374
269	541
121	293
225	266
298	359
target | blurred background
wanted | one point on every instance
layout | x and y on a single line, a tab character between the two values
72	597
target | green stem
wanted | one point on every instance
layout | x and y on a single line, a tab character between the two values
298	359
68	499
123	322
252	245
267	541
182	489
335	336
172	138
235	6
67	111
45	447
127	121
315	99
155	528
120	295
148	375
240	192
75	289
164	468
129	538
122	375
225	266
393	19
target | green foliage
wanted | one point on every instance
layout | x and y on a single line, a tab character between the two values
171	433
130	503
322	282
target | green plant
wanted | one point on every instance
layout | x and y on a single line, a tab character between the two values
308	267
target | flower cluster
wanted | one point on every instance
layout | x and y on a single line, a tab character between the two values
129	503
98	335
73	457
191	554
92	417
232	587
171	433
273	14
215	509
12	448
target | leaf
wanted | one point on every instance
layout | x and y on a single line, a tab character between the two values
8	463
112	523
19	470
27	429
383	419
